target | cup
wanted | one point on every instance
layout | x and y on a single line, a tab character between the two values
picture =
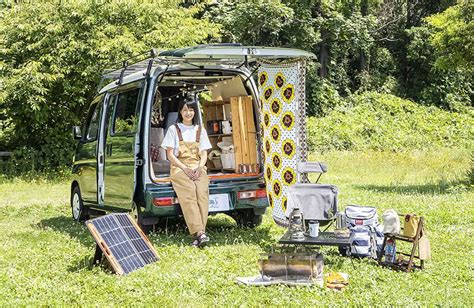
340	220
313	228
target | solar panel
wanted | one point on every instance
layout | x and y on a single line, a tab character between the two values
122	241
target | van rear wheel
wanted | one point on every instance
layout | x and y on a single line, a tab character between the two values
137	215
78	210
247	218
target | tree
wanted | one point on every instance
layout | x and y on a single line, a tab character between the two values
51	57
453	37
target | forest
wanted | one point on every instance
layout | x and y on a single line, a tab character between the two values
390	75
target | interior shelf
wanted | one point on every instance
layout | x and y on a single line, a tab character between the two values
219	135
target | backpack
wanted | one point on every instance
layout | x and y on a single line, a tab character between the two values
363	223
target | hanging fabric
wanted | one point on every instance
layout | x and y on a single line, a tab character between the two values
283	126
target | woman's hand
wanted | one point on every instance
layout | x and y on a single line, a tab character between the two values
190	173
198	172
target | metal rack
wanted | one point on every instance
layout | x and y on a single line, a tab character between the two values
146	61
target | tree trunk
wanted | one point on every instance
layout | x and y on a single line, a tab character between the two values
323	56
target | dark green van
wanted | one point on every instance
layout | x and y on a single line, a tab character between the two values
119	165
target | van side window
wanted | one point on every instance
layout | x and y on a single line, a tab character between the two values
94	122
125	117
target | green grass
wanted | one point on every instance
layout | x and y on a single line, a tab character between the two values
45	257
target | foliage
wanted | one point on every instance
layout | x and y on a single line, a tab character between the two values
52	54
382	122
452	37
363	45
450	89
46	257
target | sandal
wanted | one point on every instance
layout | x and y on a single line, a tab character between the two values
195	243
203	239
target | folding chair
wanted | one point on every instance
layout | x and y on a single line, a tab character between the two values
315	201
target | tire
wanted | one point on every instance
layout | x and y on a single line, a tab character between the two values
136	214
78	210
248	219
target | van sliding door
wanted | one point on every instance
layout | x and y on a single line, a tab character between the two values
123	116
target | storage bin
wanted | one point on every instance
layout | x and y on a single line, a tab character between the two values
228	160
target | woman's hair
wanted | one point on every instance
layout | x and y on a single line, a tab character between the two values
190	103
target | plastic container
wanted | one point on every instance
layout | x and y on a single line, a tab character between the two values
228	160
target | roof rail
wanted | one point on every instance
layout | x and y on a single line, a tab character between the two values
132	65
145	61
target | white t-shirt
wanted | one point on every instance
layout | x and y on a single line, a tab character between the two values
189	135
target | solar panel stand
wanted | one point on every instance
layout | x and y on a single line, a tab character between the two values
98	255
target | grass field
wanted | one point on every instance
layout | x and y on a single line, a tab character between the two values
45	256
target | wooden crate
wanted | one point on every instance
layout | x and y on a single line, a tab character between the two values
214	110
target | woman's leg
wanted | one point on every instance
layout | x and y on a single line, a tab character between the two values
202	196
186	191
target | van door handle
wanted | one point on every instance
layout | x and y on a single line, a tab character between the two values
101	159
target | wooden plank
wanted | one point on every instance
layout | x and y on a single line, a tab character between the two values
251	132
219	112
234	105
243	131
206	114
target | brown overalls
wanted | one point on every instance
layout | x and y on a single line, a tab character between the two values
193	196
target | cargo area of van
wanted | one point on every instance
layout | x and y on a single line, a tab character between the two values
228	113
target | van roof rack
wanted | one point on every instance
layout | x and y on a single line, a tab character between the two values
132	65
224	53
145	61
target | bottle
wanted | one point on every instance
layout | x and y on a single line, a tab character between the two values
390	251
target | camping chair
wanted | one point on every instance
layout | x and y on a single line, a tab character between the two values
315	201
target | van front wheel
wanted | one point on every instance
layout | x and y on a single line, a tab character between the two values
247	218
79	212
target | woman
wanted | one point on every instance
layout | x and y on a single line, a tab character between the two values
186	143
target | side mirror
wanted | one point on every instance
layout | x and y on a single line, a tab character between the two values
76	132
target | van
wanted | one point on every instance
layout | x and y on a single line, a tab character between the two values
119	165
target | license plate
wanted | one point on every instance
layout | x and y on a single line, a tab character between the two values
219	202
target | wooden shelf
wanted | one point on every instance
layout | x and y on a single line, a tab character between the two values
401	237
216	103
219	135
240	111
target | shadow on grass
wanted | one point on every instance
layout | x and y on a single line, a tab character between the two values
66	225
223	231
441	188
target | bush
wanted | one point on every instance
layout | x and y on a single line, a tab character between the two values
386	122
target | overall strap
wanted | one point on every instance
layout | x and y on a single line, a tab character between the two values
180	136
198	134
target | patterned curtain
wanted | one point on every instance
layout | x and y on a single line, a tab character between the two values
283	124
